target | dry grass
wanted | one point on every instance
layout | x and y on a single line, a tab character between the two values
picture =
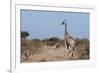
39	51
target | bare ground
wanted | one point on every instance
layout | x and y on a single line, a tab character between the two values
44	56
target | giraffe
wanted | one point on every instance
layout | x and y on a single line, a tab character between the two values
52	49
69	41
25	54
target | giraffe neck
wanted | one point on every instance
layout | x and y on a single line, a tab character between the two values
66	36
65	27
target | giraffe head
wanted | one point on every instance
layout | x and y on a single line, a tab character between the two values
64	22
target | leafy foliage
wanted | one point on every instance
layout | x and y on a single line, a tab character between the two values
24	34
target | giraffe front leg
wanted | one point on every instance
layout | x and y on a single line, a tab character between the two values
71	53
66	52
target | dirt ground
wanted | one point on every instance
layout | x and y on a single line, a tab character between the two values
58	55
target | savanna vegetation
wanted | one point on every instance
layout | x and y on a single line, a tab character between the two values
35	46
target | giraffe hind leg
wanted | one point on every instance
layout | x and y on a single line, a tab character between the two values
73	52
73	48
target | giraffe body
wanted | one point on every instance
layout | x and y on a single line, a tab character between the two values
69	44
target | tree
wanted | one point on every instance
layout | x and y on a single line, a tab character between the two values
24	34
54	39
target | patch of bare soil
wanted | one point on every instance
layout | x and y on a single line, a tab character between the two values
57	55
